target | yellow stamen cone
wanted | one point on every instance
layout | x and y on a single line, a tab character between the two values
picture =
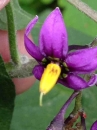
49	78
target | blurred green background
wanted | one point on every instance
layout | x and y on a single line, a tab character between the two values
28	115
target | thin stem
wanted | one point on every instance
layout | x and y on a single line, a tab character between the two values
76	110
78	105
12	34
84	8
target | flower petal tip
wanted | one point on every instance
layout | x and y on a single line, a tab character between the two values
36	16
58	10
31	25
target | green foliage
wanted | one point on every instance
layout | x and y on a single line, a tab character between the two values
7	95
21	17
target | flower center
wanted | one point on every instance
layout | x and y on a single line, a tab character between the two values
54	69
63	65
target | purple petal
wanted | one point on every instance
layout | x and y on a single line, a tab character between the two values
94	126
32	49
74	82
53	36
38	71
82	61
77	83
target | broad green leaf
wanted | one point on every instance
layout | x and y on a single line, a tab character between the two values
7	96
21	17
76	37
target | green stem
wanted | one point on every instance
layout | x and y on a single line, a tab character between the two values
78	105
12	34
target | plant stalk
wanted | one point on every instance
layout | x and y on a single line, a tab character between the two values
12	34
78	105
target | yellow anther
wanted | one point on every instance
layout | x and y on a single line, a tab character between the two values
49	78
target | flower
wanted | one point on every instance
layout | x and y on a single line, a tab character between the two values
55	62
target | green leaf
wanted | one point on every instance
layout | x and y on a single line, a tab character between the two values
21	17
76	37
7	96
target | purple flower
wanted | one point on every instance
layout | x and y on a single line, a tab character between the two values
56	64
